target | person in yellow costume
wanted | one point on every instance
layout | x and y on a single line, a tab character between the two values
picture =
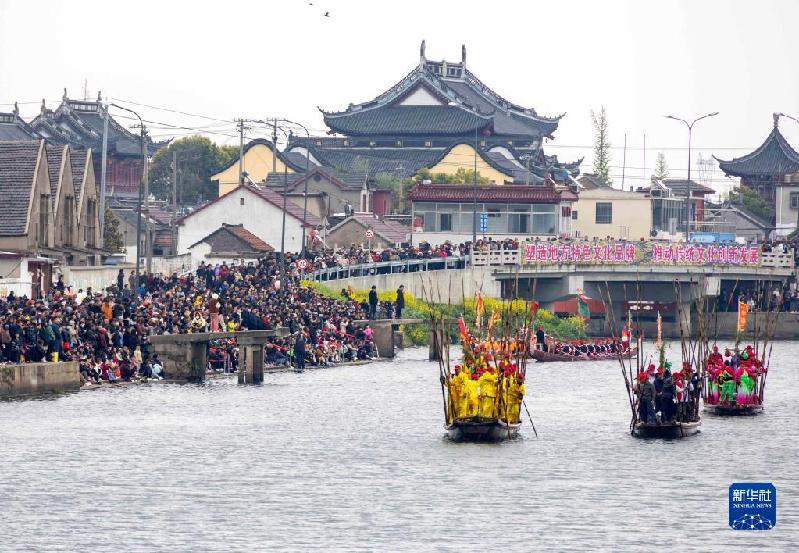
472	398
514	393
488	393
457	386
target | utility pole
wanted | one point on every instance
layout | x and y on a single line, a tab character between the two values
274	145
624	161
104	108
474	206
689	199
174	199
241	151
146	177
141	190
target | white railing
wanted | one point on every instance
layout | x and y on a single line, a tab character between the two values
777	260
494	258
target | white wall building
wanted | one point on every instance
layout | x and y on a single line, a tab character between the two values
259	210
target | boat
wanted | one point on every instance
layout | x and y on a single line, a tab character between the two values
484	394
672	430
548	357
733	410
481	429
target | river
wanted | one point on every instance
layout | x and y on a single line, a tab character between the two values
354	459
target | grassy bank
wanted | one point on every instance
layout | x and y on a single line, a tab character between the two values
515	313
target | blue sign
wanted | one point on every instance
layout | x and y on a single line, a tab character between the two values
753	506
484	222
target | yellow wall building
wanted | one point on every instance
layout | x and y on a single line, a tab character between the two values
619	214
461	156
259	160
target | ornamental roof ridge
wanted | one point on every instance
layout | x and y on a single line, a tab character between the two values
775	136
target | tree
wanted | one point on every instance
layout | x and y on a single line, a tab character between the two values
112	237
461	176
751	201
601	145
198	158
661	167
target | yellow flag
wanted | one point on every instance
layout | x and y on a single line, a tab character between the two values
743	312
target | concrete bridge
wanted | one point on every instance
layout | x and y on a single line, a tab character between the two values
501	275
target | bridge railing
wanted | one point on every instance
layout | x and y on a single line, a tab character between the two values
487	258
777	260
494	258
389	267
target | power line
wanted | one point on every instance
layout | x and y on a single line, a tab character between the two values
174	111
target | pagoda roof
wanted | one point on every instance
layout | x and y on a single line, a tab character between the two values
80	123
774	157
508	193
408	120
444	85
12	127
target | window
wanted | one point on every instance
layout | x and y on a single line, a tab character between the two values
445	222
794	200
518	223
574	214
604	213
399	143
241	200
428	143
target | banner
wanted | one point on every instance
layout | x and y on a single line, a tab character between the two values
635	253
743	313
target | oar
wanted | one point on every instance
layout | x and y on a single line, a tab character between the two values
530	417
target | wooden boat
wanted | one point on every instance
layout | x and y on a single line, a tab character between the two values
548	357
733	410
482	429
672	430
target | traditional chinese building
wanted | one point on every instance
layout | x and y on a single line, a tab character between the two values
773	171
80	124
446	212
440	117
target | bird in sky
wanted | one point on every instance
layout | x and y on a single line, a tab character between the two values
327	14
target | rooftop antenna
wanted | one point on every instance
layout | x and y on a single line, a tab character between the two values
85	89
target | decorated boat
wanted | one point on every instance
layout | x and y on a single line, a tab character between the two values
549	357
484	394
664	402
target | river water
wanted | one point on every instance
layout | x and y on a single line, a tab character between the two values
355	459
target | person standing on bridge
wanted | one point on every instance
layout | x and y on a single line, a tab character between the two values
373	303
400	300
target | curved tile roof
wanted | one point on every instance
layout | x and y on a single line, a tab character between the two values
774	157
507	193
408	120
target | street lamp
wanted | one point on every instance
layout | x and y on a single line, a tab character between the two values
690	129
141	191
307	166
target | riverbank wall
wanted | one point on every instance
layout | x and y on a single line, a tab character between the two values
38	378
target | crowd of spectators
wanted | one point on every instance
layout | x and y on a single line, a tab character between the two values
108	331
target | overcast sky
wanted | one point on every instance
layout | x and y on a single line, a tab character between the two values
640	59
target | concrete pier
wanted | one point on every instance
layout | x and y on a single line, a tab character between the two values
385	332
38	378
185	356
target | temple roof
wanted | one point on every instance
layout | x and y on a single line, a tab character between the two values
409	120
773	158
80	123
406	162
448	88
12	127
509	193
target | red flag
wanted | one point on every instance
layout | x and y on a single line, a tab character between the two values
534	310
